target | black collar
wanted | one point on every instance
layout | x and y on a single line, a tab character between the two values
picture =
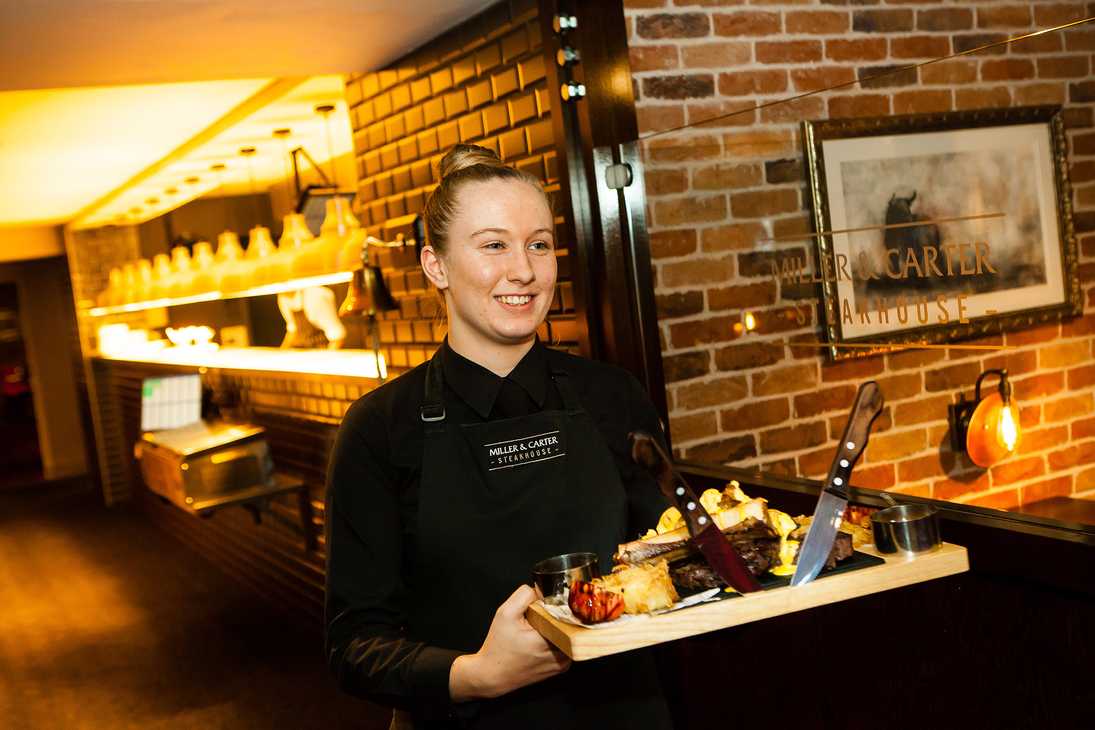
479	387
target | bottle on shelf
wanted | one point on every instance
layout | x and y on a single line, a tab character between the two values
163	276
229	262
183	284
260	249
205	274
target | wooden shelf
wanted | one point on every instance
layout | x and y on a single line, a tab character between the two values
580	643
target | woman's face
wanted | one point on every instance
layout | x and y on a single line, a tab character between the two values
498	270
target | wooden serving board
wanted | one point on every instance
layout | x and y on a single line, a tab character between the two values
581	643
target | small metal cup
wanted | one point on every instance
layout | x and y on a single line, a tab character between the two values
551	577
909	529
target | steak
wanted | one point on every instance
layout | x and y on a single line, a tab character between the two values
759	553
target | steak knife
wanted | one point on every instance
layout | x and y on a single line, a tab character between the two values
705	534
834	496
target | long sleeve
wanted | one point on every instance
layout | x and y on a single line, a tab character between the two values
366	647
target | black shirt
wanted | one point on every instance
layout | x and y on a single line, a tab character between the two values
372	492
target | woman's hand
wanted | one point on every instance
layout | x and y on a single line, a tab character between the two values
512	656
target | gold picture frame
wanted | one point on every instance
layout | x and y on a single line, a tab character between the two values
962	175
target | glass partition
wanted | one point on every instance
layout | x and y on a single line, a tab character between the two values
886	203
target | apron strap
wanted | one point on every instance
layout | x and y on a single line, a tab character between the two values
432	410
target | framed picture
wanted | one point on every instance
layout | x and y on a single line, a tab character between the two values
933	228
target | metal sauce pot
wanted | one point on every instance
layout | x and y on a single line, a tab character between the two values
909	529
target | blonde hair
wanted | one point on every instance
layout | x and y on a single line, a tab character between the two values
463	164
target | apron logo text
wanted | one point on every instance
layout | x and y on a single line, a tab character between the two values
524	450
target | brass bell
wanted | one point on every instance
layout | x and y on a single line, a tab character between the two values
368	294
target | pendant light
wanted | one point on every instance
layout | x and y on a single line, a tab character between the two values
987	428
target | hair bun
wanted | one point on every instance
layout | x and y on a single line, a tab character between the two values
463	156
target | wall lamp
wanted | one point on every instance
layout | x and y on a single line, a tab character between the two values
986	428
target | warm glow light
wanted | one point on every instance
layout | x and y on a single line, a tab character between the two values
750	322
347	363
1007	431
339	277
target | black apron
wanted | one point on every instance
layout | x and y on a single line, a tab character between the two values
539	485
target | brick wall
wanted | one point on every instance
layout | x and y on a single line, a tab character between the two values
484	82
715	190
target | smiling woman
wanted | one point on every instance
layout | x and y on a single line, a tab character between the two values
499	447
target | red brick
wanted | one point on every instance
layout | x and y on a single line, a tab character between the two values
882	424
1048	16
1080	326
922	411
725	175
1007	69
920	467
1066	409
1039	439
702	331
861	105
1080	454
919	102
742	296
816	22
787	51
792	438
821	77
944	19
874	477
952	487
766	143
1083	429
783	319
1038	386
882	21
920	489
913	358
949	72
694	426
754	415
1056	487
794	111
747	23
673	25
723	451
1017	470
700	147
1033	336
997	97
858	49
652	58
1064	354
1002	500
921	46
644	3
665	182
1085	480
1051	43
664	244
678	86
817	402
720	391
1016	363
784	380
1080	39
724	113
679	304
1063	67
816	463
1035	94
658	118
792	226
691	209
747	356
892	446
685	366
720	54
779	467
1007	16
697	271
732	237
764	203
851	369
898	387
748	83
1081	377
953	377
981	41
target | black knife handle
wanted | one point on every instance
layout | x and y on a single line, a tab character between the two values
867	406
646	451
